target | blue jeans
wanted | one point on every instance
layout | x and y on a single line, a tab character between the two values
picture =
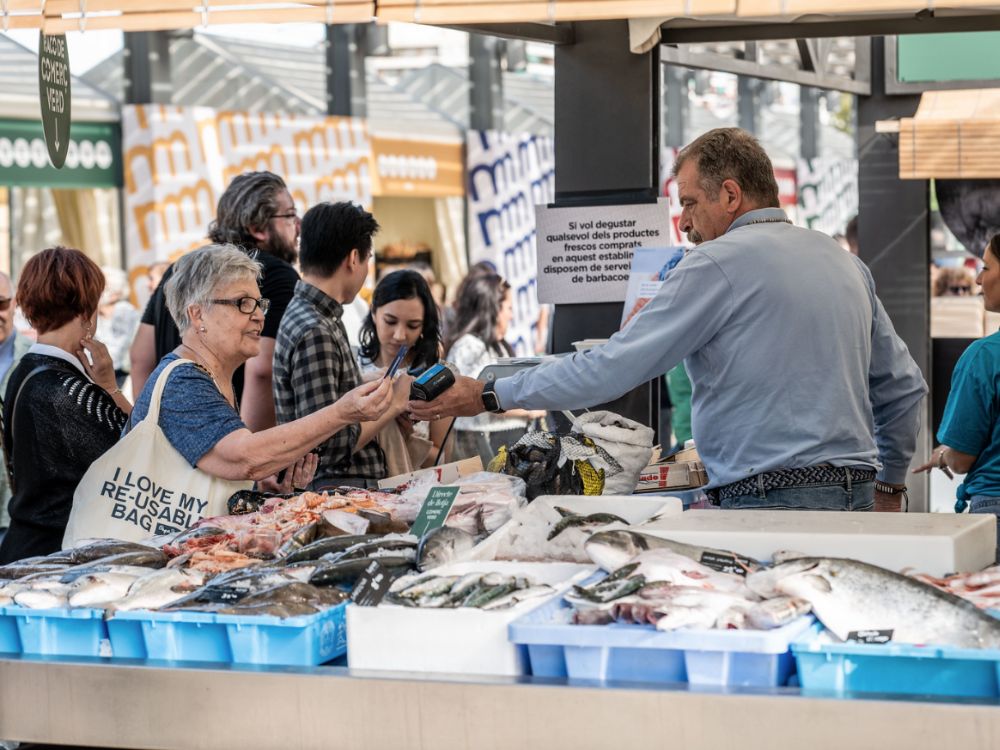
986	504
841	496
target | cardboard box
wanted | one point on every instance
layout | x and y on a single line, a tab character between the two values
456	641
446	473
674	475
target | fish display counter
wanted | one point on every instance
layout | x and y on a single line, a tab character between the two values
561	622
108	703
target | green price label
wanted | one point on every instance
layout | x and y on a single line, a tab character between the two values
54	93
435	509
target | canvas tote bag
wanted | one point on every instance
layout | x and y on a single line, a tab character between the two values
143	486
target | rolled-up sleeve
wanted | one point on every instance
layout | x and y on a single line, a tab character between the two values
689	309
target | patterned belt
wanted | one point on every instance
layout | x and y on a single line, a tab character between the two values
785	478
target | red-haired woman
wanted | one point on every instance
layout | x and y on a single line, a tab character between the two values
62	409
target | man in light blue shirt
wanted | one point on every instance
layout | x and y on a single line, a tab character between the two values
802	391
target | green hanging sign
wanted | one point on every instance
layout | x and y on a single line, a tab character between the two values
54	93
93	156
434	512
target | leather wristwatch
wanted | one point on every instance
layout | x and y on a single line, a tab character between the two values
490	401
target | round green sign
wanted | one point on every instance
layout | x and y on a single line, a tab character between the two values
53	90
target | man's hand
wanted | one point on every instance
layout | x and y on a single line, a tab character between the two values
887	503
464	399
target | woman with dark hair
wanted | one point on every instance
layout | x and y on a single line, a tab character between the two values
62	407
403	311
969	434
483	313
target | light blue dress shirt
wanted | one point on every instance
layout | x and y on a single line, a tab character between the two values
793	359
7	355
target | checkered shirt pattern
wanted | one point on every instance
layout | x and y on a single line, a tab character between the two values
313	367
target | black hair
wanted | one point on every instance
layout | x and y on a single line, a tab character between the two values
398	285
249	203
477	310
329	232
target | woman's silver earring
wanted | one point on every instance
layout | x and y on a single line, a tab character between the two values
202	329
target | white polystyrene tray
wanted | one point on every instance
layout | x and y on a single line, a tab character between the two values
935	543
634	509
455	641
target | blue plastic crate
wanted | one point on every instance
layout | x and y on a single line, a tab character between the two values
126	637
10	641
62	631
641	653
181	636
897	668
307	640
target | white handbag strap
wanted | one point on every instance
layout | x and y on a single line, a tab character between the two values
153	412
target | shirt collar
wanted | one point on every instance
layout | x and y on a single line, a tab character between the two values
54	351
759	214
327	305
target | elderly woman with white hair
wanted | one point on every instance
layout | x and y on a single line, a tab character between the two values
214	298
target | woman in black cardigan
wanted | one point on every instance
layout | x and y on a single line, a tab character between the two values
62	409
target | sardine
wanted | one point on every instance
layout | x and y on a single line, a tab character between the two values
850	597
429	587
101	589
519	595
487	594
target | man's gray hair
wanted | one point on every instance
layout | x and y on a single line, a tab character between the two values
198	274
732	154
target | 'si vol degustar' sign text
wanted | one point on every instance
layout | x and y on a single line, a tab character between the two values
54	92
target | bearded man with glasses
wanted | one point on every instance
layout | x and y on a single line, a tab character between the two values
258	215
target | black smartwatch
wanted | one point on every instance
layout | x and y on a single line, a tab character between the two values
490	401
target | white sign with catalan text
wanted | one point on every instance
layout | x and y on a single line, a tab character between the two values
585	253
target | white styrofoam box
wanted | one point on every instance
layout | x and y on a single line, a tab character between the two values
935	543
634	509
456	641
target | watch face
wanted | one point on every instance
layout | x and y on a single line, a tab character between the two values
490	400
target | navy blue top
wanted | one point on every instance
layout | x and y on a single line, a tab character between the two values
194	415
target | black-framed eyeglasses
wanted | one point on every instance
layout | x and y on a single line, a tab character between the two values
5	303
957	290
246	305
289	215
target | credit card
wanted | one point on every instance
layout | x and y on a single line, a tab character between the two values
396	361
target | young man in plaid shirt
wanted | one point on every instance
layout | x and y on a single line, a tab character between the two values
313	361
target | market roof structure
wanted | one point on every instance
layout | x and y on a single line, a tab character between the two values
226	73
19	84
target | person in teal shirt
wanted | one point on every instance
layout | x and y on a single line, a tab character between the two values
679	388
969	435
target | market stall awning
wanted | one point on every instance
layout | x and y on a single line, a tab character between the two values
954	134
60	16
